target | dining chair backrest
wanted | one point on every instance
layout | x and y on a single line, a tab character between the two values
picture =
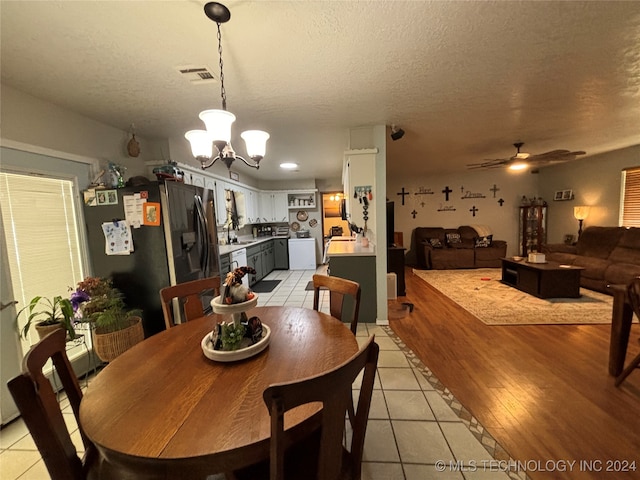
338	289
39	408
189	295
633	292
333	389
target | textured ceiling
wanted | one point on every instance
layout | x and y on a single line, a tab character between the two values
465	80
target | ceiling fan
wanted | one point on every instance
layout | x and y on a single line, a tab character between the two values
523	160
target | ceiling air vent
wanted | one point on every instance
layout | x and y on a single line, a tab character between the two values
197	75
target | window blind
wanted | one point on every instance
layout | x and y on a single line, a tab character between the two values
630	215
41	235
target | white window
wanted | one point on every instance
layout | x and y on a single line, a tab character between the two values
630	204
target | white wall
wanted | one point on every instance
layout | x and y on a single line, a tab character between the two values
595	181
29	120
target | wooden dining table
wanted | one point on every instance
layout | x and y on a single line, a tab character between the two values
621	319
164	410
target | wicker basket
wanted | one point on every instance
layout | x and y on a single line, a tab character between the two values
109	345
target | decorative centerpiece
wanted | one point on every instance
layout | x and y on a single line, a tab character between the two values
238	336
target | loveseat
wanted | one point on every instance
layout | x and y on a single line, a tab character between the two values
463	247
609	255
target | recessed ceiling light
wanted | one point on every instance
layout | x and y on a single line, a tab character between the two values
289	165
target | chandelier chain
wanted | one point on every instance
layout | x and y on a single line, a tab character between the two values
223	92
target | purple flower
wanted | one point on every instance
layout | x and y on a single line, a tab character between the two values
78	297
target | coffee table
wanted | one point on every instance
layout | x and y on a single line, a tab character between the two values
543	280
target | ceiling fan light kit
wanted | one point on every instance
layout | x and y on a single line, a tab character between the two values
522	160
218	122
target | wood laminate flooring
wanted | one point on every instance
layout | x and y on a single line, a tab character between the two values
542	391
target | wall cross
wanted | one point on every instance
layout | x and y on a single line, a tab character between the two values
403	193
446	192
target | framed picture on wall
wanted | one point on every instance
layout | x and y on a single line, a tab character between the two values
567	194
558	195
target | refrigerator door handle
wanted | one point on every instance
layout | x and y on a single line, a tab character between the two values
204	235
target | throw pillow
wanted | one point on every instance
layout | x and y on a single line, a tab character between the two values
485	241
453	238
435	242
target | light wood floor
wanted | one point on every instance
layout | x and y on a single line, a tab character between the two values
543	392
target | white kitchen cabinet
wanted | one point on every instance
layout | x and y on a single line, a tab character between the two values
252	205
273	207
221	202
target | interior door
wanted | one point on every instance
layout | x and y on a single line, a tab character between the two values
38	165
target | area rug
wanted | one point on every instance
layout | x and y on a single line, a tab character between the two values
309	287
481	293
265	286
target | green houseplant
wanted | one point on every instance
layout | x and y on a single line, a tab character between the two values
46	312
116	328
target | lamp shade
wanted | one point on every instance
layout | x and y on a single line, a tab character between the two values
201	145
581	212
256	141
218	123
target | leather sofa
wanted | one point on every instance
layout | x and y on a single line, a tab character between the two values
451	248
609	255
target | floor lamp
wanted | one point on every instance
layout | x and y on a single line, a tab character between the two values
580	213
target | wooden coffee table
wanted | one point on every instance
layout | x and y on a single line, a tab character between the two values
543	280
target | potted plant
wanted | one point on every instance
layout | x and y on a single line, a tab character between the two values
116	328
47	315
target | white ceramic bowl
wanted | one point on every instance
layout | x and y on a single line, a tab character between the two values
235	355
219	307
517	259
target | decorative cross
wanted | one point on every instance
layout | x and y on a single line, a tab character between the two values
461	188
422	204
403	193
494	190
414	213
473	210
446	192
501	201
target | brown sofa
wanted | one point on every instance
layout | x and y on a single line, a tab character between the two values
440	248
609	255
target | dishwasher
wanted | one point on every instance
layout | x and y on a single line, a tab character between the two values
239	259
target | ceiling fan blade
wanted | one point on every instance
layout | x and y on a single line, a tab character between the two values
556	155
498	162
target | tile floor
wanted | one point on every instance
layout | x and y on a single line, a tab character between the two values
416	431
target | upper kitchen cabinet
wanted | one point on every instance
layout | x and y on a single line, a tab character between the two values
221	202
252	203
274	207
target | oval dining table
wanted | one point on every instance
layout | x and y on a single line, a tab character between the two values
164	410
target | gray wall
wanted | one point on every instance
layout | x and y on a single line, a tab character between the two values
595	181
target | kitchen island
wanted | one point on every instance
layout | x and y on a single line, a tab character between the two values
349	259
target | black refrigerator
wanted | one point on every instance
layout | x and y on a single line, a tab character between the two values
180	248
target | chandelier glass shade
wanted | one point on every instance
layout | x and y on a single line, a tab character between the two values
218	122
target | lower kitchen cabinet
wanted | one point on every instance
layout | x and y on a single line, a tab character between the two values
254	260
281	253
361	269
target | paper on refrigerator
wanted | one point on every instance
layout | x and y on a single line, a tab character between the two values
117	235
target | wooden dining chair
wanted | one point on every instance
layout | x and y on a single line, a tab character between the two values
633	292
39	408
321	456
189	295
338	289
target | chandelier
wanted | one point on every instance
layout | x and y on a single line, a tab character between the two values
218	122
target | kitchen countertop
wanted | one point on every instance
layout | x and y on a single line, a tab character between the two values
349	248
232	247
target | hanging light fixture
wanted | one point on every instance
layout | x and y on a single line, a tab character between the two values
218	122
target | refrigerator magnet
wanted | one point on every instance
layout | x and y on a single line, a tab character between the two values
151	214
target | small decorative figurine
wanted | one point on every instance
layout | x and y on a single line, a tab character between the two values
234	291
